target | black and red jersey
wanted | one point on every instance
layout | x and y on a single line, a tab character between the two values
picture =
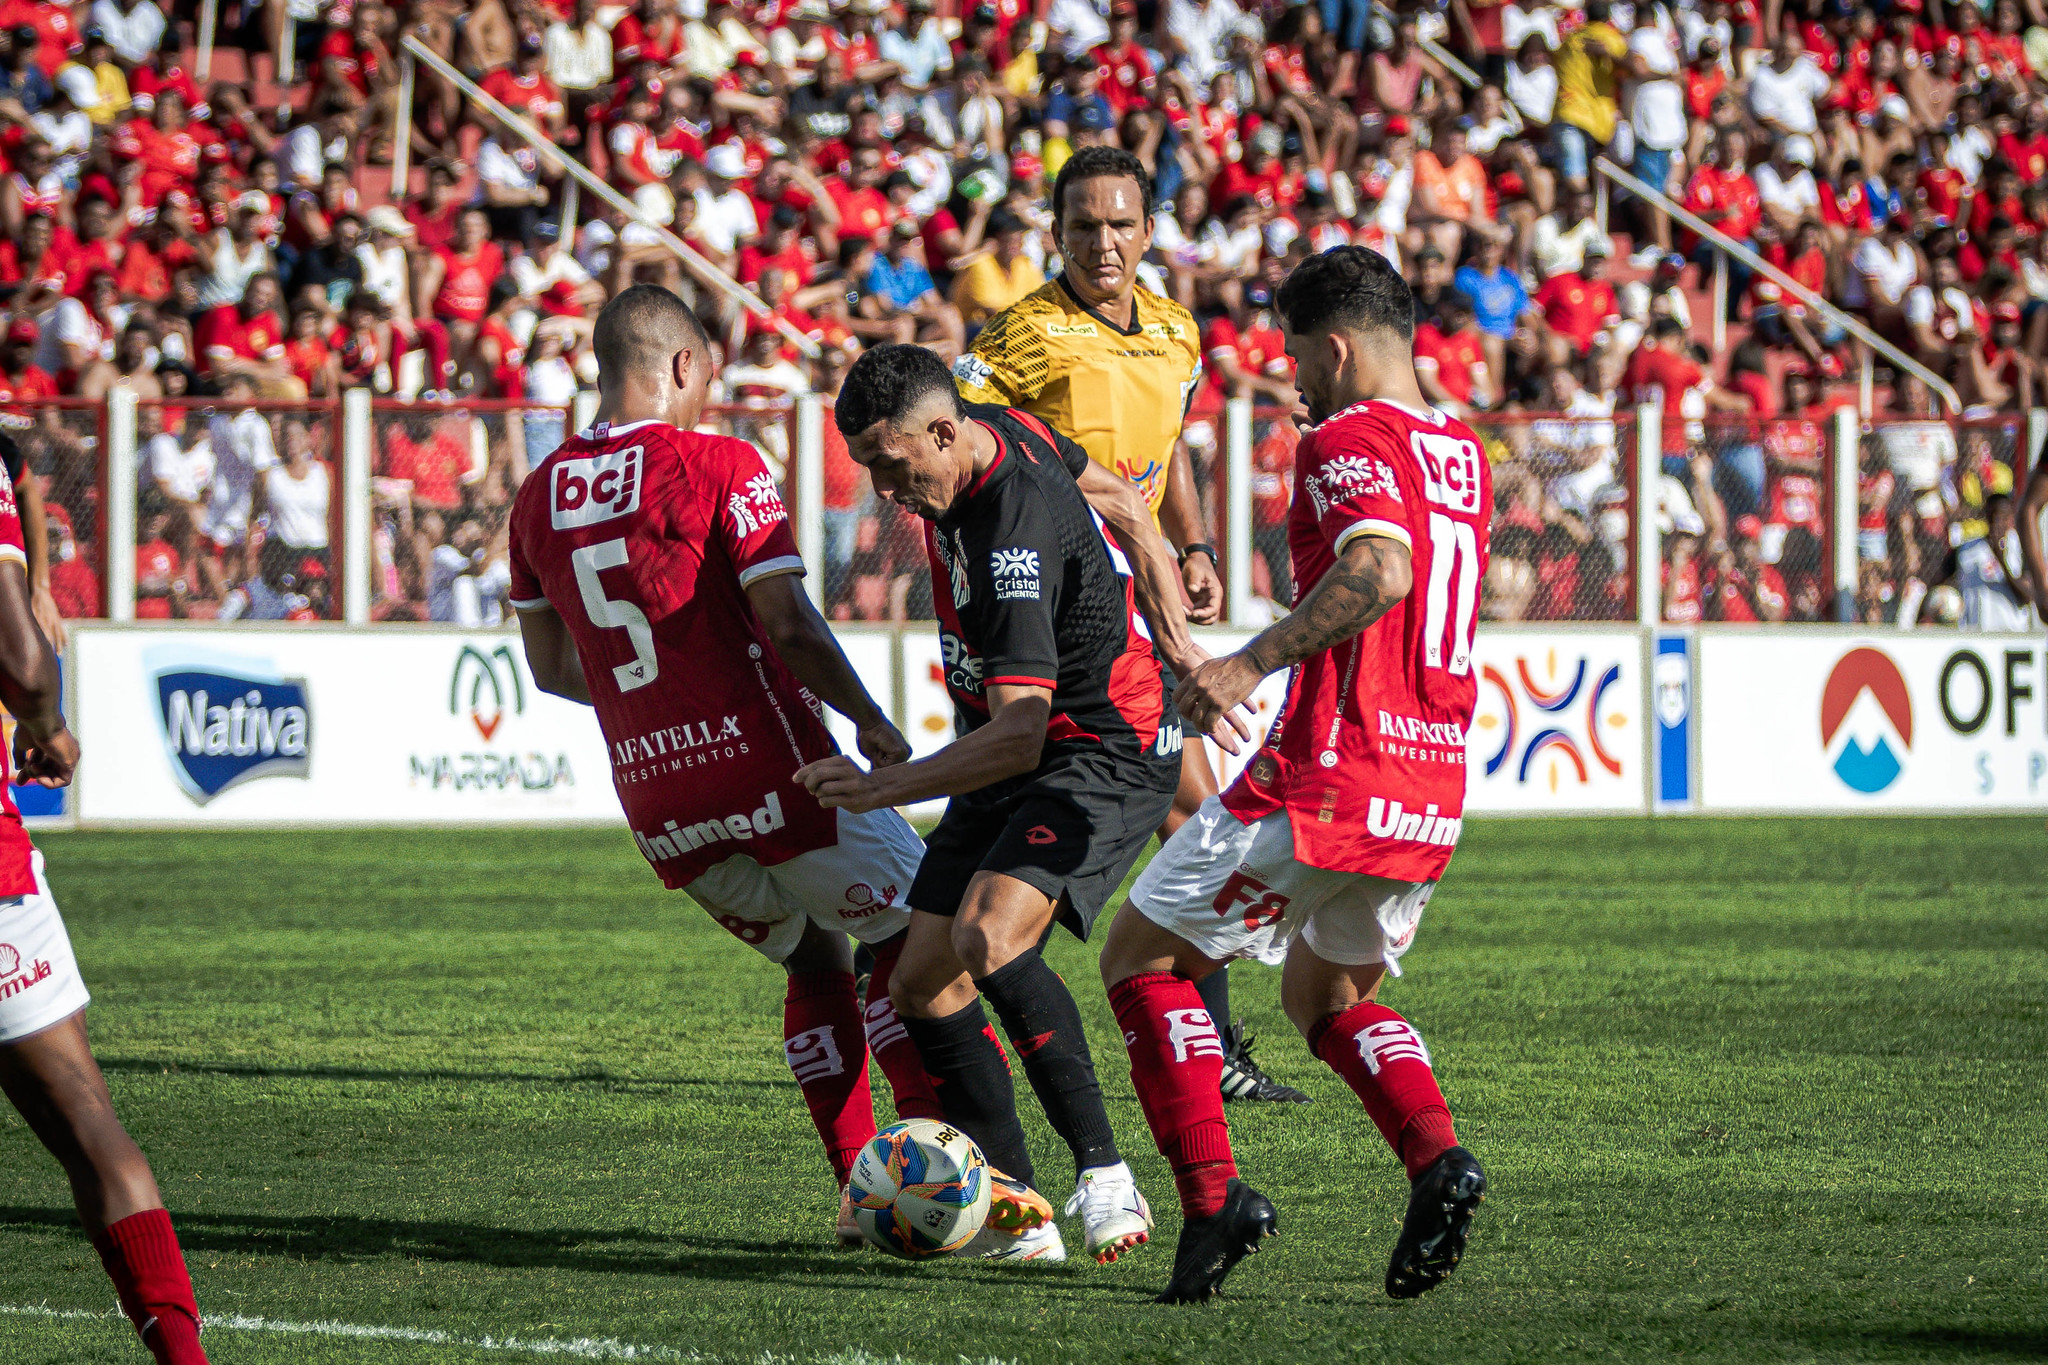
1032	589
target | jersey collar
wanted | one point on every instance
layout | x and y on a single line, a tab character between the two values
1134	329
1002	453
620	430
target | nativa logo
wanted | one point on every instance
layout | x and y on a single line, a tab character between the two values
225	723
1866	720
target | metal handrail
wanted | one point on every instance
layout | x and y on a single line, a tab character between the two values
1851	324
548	152
1443	55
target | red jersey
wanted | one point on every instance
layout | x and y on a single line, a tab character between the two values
534	96
1796	501
466	287
1576	308
1729	594
1367	756
1273	475
2028	156
223	334
17	878
1257	350
1682	594
1125	77
644	537
1655	375
355	65
28	386
1457	359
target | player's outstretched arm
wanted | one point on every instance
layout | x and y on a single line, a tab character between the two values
2032	503
30	687
1154	580
551	654
1367	580
808	646
1008	745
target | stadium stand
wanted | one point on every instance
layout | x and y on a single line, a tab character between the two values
225	240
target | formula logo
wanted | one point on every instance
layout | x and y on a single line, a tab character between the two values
1866	720
1545	724
222	727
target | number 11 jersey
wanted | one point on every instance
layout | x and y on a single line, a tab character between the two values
644	538
1367	755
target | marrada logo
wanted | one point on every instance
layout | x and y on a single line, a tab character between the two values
223	729
673	841
1866	758
488	692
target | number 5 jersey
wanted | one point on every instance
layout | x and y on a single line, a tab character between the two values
1368	753
644	538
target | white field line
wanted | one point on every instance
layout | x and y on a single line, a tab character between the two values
574	1348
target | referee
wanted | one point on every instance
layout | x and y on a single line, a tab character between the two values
1113	367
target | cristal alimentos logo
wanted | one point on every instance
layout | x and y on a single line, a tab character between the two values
1866	720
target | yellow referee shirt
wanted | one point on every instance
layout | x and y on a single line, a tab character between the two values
1120	395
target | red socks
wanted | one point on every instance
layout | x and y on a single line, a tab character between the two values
1381	1057
826	1047
148	1270
916	1097
1176	1066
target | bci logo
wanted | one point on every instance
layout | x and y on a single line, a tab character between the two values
595	488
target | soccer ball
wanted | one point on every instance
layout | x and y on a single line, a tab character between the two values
920	1189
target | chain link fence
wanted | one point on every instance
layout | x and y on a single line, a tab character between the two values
237	511
63	446
875	565
1564	517
1922	491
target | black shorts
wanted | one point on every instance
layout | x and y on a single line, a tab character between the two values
1073	830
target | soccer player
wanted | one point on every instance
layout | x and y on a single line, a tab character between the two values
46	1064
656	580
1067	759
1114	366
1330	842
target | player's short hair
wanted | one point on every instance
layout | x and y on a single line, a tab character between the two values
1099	163
642	328
888	383
1347	288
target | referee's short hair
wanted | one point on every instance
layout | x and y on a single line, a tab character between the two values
1099	163
1347	288
889	382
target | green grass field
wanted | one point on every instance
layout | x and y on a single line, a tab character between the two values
1747	1091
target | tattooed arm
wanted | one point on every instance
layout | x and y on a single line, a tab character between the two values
1367	580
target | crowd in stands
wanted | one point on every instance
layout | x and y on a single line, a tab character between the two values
875	170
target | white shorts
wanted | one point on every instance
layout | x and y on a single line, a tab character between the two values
855	887
1235	890
39	980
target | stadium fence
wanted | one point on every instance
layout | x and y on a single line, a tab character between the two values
1590	512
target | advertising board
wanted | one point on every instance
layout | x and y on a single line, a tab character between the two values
1843	722
1558	725
320	726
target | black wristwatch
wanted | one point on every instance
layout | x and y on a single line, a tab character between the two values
1197	547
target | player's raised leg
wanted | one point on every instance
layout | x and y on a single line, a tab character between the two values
1384	1061
51	1077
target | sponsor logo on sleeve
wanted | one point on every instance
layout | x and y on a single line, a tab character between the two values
594	488
1015	572
972	369
758	507
224	727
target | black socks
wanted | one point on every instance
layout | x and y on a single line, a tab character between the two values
973	1081
1044	1025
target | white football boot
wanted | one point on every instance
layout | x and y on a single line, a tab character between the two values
1042	1243
1115	1215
